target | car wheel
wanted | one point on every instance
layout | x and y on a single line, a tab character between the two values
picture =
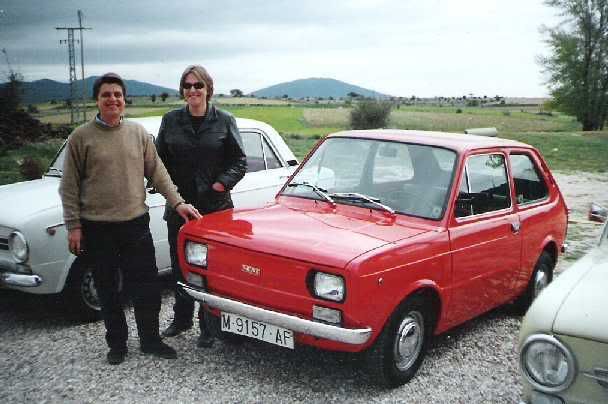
82	298
540	279
400	349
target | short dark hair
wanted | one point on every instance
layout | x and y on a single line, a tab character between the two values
111	78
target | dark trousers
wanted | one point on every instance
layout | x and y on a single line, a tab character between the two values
115	248
183	308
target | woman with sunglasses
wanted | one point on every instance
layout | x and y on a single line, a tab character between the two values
202	150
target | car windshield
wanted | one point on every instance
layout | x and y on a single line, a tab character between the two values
405	178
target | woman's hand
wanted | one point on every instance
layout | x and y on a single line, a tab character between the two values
218	187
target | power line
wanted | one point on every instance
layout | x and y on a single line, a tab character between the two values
74	107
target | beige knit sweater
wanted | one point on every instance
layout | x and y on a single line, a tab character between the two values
104	170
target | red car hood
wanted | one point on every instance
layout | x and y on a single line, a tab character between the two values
305	231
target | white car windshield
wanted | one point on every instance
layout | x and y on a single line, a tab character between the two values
405	178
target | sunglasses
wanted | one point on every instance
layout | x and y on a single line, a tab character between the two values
198	85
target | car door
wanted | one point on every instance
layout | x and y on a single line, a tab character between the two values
484	236
266	171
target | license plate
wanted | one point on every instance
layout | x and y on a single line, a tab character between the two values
236	324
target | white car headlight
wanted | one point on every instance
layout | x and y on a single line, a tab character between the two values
18	246
196	253
547	363
330	287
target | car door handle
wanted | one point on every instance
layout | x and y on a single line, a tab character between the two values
515	227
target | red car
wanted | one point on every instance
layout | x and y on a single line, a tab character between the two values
379	241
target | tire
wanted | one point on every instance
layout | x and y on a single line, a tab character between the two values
401	346
540	279
81	297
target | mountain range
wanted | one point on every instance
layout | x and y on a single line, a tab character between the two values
47	90
315	87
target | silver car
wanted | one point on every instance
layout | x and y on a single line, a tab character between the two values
34	256
564	336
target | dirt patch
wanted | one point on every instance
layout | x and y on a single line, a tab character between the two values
579	190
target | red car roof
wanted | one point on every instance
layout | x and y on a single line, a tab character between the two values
455	141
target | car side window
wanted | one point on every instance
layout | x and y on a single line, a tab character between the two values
486	188
530	186
272	161
252	143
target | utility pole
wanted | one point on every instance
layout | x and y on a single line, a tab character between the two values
74	109
84	91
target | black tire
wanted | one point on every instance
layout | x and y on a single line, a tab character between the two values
540	279
401	346
81	298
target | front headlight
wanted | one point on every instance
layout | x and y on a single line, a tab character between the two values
547	363
18	246
330	287
196	253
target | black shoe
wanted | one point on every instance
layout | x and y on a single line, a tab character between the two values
116	356
175	329
159	349
204	341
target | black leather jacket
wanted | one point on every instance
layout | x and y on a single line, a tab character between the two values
195	160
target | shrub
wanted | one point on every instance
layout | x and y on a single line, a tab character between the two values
370	114
459	111
30	168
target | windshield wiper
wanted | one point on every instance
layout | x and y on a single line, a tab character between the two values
319	191
55	172
366	198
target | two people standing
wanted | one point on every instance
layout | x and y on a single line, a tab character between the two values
103	196
203	152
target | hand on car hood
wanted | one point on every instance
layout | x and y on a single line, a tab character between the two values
21	200
325	237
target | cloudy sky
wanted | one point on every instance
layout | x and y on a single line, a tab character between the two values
397	47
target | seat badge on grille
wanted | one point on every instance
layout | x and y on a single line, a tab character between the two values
248	269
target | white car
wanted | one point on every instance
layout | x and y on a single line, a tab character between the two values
34	256
564	336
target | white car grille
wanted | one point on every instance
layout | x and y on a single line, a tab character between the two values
4	233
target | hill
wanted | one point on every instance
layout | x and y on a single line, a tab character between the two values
315	87
46	90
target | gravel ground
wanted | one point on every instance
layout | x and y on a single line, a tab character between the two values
47	358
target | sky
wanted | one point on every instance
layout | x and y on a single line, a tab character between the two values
402	48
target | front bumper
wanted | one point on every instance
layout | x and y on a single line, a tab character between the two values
21	280
354	336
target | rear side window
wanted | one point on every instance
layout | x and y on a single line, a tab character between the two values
530	185
485	187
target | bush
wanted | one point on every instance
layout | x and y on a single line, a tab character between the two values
459	111
30	168
370	114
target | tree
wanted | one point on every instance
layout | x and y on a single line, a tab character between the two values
370	114
578	63
10	92
235	92
353	94
153	98
164	96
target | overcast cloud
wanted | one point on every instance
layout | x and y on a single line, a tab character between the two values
397	47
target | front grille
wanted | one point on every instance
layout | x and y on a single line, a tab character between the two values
4	233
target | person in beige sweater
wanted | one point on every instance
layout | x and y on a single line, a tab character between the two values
103	196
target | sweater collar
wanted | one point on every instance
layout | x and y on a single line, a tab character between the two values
104	124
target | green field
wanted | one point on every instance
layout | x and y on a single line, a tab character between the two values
558	136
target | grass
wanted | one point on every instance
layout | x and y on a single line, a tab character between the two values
10	160
557	136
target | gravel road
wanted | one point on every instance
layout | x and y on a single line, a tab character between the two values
47	358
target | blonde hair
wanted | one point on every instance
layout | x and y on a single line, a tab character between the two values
201	74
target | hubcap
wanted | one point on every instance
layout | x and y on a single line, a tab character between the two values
541	280
409	340
89	293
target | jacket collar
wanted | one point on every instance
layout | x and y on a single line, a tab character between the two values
186	123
